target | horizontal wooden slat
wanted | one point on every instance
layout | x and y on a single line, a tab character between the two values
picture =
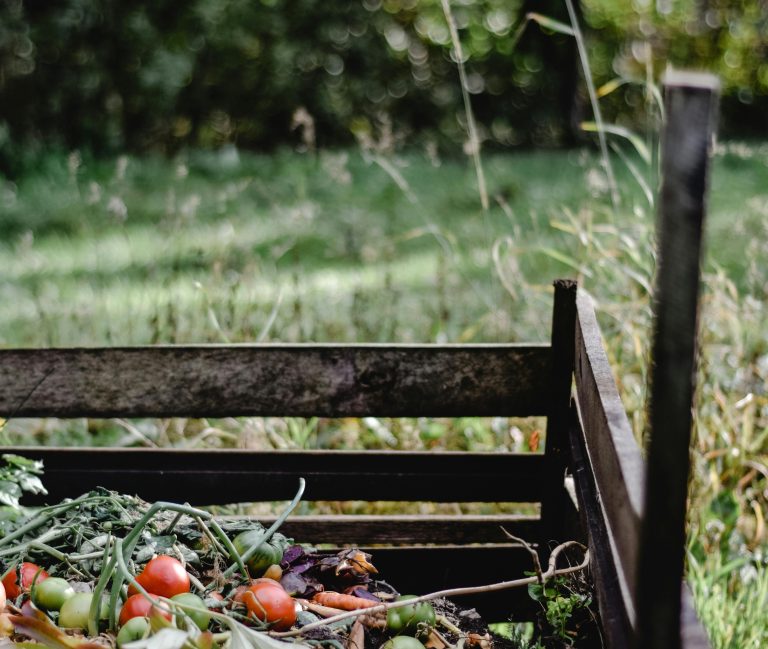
422	570
407	529
613	452
279	380
208	477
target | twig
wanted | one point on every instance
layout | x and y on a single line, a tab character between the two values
531	551
551	571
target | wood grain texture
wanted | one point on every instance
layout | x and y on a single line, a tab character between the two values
691	106
613	597
407	529
214	477
279	380
613	451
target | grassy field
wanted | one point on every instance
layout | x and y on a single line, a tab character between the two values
368	246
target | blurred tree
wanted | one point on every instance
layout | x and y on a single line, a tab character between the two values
106	75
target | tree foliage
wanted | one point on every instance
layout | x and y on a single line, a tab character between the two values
109	75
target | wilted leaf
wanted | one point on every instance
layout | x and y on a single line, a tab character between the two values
46	632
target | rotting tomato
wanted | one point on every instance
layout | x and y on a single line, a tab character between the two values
164	576
139	606
270	603
28	571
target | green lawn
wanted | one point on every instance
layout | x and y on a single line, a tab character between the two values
346	246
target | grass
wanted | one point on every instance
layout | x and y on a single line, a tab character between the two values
363	246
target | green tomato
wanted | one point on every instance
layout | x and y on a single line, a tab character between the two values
269	553
201	618
134	629
74	612
50	594
402	642
416	618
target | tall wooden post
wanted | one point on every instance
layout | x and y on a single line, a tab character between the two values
554	505
691	105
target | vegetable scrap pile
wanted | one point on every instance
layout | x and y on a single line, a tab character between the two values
107	570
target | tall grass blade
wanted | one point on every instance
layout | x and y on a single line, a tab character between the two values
615	199
474	140
621	131
550	23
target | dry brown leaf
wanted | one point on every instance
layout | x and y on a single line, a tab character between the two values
356	638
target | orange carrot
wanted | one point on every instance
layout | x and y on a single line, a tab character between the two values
344	602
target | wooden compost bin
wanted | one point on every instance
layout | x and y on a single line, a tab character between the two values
636	569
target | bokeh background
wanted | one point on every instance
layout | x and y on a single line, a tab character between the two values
112	76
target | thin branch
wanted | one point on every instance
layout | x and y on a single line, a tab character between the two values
531	551
551	572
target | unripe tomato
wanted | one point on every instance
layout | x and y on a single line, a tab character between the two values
402	642
270	603
134	629
74	612
139	606
28	571
201	617
416	618
164	576
51	594
267	554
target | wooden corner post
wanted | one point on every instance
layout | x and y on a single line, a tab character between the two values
691	106
554	505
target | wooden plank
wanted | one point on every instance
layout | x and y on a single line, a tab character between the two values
422	570
613	598
279	380
692	632
691	103
209	477
407	529
613	451
554	500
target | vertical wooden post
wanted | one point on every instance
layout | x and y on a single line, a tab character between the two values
553	503
691	103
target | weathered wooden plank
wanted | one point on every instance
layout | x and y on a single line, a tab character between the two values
553	502
613	597
613	451
423	570
209	477
691	103
692	632
407	529
279	380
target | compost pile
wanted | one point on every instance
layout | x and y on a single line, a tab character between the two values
109	569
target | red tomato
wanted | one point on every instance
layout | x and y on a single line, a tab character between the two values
140	578
164	576
28	572
139	606
270	603
2	598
